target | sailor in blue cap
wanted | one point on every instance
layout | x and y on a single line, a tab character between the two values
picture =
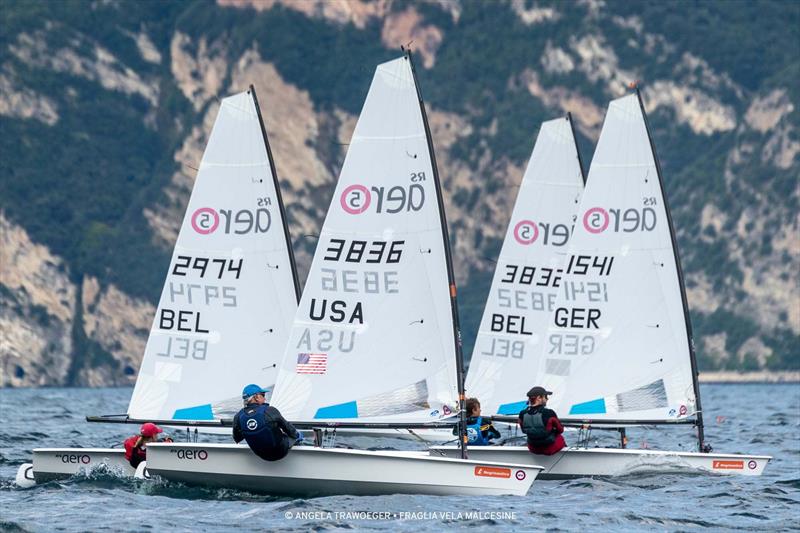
267	433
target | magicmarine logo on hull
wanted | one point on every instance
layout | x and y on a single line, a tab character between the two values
357	198
207	220
728	465
597	220
191	455
492	471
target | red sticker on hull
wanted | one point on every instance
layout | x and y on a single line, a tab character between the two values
492	471
728	465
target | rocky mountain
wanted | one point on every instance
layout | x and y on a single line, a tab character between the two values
105	107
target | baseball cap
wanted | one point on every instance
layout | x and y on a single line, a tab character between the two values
251	390
538	391
149	430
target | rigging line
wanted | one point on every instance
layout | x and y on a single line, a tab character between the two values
423	441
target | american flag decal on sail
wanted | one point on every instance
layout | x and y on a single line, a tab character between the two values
312	363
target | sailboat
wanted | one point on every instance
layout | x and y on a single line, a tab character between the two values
228	299
515	316
375	341
618	350
525	283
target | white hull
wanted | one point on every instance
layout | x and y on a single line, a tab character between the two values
55	463
309	471
608	462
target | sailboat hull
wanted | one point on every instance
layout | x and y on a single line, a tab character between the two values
610	462
308	472
58	463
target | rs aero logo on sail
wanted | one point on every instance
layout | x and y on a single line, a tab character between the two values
527	232
357	198
207	220
599	219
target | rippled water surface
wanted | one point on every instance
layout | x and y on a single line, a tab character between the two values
758	419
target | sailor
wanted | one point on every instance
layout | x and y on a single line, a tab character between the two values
267	433
541	425
479	431
136	446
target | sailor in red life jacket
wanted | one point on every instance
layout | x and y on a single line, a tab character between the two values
541	425
136	446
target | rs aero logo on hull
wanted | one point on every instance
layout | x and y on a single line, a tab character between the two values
74	458
191	454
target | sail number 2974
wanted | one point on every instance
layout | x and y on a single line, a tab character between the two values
204	267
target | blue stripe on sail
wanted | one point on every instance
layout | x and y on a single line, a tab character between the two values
512	408
200	412
342	410
594	407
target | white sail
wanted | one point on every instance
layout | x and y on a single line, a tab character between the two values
617	347
517	312
230	293
373	338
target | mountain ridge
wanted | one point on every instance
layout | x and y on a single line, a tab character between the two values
727	136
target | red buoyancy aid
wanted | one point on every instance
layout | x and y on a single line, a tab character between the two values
133	454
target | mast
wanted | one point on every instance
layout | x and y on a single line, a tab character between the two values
577	151
252	91
692	356
450	275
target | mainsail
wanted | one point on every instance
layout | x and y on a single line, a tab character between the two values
525	283
373	338
618	346
231	289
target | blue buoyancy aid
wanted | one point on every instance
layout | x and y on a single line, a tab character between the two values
259	433
475	436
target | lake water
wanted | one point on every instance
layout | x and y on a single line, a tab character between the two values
758	419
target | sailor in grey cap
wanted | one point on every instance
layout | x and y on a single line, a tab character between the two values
540	424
